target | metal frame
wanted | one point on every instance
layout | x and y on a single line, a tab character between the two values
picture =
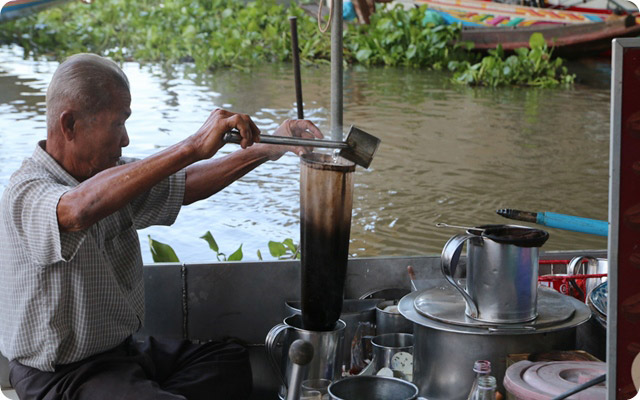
614	211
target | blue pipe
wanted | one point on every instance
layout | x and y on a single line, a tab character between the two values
571	223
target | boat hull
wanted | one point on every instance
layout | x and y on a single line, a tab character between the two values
23	8
570	41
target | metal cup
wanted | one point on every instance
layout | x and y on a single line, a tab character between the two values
391	351
389	320
326	362
372	388
321	386
502	271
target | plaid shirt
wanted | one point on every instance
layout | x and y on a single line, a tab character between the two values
65	296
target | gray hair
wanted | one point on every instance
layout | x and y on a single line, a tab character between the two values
85	82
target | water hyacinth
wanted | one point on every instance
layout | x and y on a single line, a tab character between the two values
231	33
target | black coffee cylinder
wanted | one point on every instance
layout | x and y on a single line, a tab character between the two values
326	196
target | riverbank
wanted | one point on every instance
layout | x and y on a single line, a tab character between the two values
231	33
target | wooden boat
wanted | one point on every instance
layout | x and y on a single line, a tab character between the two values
23	8
570	33
244	300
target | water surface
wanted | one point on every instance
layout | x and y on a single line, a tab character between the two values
449	154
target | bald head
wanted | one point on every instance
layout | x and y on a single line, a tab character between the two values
84	83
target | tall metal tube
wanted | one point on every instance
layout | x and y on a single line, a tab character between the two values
326	198
336	70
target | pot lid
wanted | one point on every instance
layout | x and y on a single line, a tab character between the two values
442	307
543	380
445	304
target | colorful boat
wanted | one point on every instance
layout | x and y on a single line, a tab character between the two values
570	33
22	8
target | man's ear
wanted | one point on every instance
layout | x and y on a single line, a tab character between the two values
68	124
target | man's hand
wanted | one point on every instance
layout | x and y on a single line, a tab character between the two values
208	139
296	128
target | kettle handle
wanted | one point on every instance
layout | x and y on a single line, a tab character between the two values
449	263
270	344
573	268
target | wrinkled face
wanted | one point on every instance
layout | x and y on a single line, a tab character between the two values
100	137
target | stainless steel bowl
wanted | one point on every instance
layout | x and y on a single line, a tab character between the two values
372	388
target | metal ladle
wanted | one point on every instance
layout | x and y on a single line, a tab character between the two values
359	146
475	231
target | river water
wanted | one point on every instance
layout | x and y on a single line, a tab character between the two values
449	154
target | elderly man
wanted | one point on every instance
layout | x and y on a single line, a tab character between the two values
71	293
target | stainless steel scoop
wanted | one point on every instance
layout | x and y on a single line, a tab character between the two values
359	146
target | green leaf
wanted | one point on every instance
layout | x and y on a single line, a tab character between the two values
162	252
259	255
363	55
276	249
237	255
208	237
536	41
227	13
290	245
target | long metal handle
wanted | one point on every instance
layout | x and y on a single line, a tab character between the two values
300	354
234	137
449	262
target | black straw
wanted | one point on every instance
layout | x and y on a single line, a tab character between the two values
582	387
295	52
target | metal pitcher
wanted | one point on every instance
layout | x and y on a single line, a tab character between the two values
502	271
327	356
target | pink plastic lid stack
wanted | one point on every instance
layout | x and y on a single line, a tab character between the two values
528	380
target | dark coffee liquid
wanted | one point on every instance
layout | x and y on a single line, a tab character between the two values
325	250
326	192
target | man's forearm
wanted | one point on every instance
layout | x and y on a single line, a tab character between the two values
209	177
115	187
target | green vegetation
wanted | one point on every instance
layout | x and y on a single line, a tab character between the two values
285	250
208	237
533	67
230	33
162	252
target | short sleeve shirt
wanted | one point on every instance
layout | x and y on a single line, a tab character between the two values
65	296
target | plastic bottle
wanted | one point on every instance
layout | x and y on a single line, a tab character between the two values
486	389
481	368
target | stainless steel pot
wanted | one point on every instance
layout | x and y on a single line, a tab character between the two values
444	350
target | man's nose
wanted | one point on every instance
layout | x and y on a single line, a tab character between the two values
125	140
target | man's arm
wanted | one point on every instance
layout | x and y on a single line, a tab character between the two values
112	189
209	177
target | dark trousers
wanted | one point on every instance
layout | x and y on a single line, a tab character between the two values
157	369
